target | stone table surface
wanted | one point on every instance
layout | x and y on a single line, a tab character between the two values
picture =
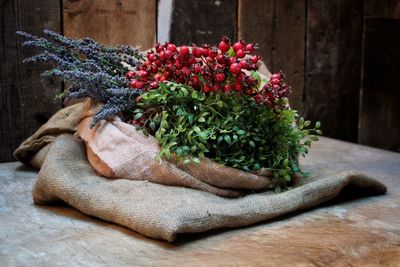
348	231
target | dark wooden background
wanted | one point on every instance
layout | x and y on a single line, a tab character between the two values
341	57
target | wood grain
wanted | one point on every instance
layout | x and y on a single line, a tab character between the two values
203	21
379	120
279	29
345	232
382	9
333	66
27	100
123	22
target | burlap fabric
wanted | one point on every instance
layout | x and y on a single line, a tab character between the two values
155	210
117	150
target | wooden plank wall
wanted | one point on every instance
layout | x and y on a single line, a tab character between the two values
203	21
333	61
278	26
318	44
128	22
26	99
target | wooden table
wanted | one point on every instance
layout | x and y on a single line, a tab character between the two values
345	232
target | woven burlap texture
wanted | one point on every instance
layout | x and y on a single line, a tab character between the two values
162	212
117	150
155	210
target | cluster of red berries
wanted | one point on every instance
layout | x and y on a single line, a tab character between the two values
208	68
204	68
274	89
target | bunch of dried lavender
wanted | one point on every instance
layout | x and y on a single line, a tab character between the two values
92	69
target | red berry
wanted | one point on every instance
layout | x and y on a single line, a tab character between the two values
249	48
138	85
162	78
237	46
197	52
132	83
184	51
195	81
168	54
191	60
154	85
197	69
251	80
220	77
154	69
232	60
171	47
258	98
157	76
203	51
130	74
255	59
161	56
252	67
151	57
178	64
226	88
221	58
224	46
212	53
243	64
276	87
215	87
186	71
235	68
206	89
275	81
276	76
143	74
240	53
237	86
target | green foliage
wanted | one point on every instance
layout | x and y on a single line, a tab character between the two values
231	129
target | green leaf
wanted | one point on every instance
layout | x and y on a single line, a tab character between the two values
201	119
231	52
256	76
137	116
184	91
194	95
220	103
241	132
251	143
196	160
235	137
287	177
152	125
227	139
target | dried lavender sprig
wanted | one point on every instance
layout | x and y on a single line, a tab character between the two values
93	49
98	74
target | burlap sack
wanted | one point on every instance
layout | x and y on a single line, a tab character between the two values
64	121
117	150
162	212
155	210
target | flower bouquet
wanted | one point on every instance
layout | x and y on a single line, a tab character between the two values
197	109
185	127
